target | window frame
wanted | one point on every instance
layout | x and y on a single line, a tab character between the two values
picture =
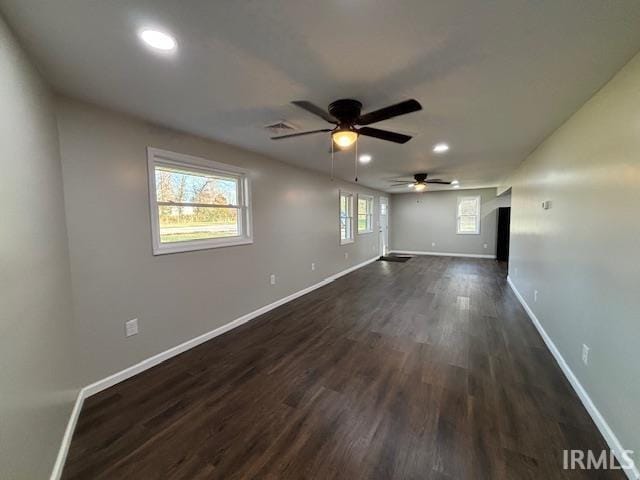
478	215
350	196
158	157
370	201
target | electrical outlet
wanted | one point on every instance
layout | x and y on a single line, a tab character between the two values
272	279
346	255
313	266
535	295
131	327
585	354
433	244
486	246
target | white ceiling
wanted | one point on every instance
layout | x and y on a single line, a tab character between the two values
494	77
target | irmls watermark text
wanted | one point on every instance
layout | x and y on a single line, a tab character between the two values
596	460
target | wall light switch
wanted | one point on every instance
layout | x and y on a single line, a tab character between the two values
535	295
346	255
313	266
272	279
131	327
486	246
433	244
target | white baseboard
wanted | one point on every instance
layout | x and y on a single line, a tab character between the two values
441	254
606	431
56	473
146	364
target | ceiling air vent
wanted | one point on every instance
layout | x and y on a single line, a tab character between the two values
280	128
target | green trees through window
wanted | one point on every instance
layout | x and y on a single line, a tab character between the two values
194	205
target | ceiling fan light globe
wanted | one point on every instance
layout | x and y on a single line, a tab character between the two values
344	138
420	187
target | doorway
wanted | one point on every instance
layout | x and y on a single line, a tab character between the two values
383	223
504	228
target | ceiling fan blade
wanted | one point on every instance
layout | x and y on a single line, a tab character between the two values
437	180
384	135
391	111
300	134
317	111
404	184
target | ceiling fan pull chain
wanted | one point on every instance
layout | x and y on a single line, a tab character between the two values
331	140
356	168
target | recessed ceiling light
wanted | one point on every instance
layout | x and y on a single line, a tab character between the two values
440	147
455	182
158	40
365	158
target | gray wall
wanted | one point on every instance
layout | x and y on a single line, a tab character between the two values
504	199
36	329
419	219
582	254
177	297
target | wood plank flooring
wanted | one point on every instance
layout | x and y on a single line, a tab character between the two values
428	369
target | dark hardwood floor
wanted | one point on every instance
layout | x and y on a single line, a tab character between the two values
428	369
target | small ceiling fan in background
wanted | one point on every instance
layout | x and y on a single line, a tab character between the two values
348	120
420	182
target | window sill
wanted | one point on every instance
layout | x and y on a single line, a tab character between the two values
364	232
169	248
346	242
467	233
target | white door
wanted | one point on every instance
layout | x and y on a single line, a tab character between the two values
384	225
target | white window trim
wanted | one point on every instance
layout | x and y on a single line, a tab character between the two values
156	156
460	199
370	214
345	241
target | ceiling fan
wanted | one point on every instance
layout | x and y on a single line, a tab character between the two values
346	115
420	182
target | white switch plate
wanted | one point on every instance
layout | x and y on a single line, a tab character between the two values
433	244
313	266
272	279
131	327
585	354
346	255
486	246
535	295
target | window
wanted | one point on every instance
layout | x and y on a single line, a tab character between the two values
346	218
468	215
196	203
365	214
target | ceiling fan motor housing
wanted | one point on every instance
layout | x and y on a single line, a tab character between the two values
347	111
420	177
